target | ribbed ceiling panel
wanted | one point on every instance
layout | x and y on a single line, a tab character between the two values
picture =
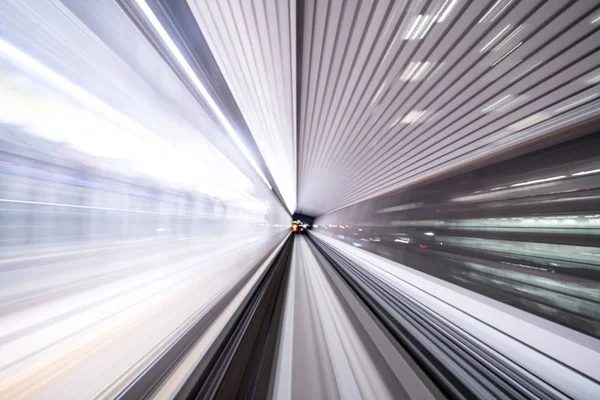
393	92
254	44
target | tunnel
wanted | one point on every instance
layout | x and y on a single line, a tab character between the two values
300	199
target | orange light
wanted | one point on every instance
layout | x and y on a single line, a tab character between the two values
295	227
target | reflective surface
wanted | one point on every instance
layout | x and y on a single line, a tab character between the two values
152	153
524	231
124	217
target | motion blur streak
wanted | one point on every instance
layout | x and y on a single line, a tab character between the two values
283	199
121	224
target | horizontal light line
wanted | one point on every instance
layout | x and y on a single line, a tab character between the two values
554	178
42	203
594	171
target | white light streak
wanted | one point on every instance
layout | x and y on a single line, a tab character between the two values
593	171
511	103
576	103
526	122
198	84
429	233
507	54
82	96
554	178
412	67
508	38
412	28
378	93
501	11
422	71
491	42
594	80
423	28
489	11
446	11
412	117
416	70
491	106
526	71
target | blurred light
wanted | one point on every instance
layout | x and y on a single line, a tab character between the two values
423	27
491	16
508	38
554	178
413	27
507	53
576	103
512	102
489	11
420	27
410	118
416	70
357	244
594	171
491	42
378	93
595	20
501	10
82	96
496	103
527	122
446	11
526	71
409	70
402	207
402	240
205	95
429	233
594	80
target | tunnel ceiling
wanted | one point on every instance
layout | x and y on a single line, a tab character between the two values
351	99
